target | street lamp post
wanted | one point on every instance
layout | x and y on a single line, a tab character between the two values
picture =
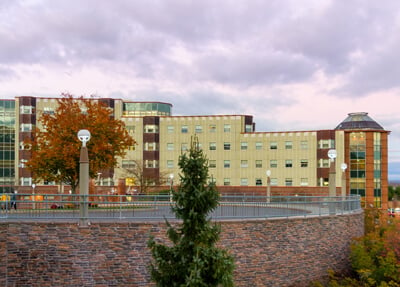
332	172
171	182
268	173
33	196
343	167
84	137
332	180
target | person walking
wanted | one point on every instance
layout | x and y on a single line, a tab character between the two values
14	200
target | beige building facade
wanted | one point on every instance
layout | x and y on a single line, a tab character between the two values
239	156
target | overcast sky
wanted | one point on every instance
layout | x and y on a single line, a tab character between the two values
293	65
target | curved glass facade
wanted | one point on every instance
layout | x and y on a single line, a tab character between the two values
7	145
357	163
377	170
146	109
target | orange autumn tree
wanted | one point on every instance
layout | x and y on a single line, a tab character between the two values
55	147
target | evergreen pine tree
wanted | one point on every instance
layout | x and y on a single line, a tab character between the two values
192	259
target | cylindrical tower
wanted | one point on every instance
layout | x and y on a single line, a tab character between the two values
366	154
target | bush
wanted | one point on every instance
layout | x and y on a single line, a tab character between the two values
375	257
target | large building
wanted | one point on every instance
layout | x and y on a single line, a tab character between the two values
239	157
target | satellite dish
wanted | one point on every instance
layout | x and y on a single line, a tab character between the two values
332	154
343	166
84	136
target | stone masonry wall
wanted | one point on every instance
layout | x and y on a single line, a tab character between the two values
280	252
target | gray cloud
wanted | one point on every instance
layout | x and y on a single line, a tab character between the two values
269	42
213	57
378	70
263	68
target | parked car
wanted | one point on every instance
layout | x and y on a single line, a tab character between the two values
391	212
397	211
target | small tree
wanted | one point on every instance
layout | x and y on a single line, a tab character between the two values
144	181
193	259
375	257
55	148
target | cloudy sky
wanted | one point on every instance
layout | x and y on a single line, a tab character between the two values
293	65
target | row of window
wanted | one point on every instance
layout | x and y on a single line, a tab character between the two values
128	164
259	163
228	145
27	181
273	182
28	110
273	163
198	129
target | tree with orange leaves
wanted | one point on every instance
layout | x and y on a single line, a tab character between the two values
55	148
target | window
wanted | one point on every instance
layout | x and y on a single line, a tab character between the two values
273	145
151	129
212	128
46	182
184	129
326	143
198	129
258	163
248	128
304	144
151	164
324	163
243	145
184	147
259	145
274	181
227	146
304	181
130	130
150	146
227	181
288	163
227	128
304	163
288	145
273	163
26	181
24	146
170	129
244	181
170	164
227	163
48	111
170	146
26	109
108	181
26	127
288	182
258	181
23	163
244	163
128	164
212	164
213	146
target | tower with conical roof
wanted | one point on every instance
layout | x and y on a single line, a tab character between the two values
366	155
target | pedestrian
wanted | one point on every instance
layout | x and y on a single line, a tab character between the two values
14	200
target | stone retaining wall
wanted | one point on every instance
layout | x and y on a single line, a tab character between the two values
280	252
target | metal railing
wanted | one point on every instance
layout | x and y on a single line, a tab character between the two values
68	208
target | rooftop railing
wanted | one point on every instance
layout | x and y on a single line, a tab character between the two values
113	208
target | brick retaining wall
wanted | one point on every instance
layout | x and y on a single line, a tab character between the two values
280	252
